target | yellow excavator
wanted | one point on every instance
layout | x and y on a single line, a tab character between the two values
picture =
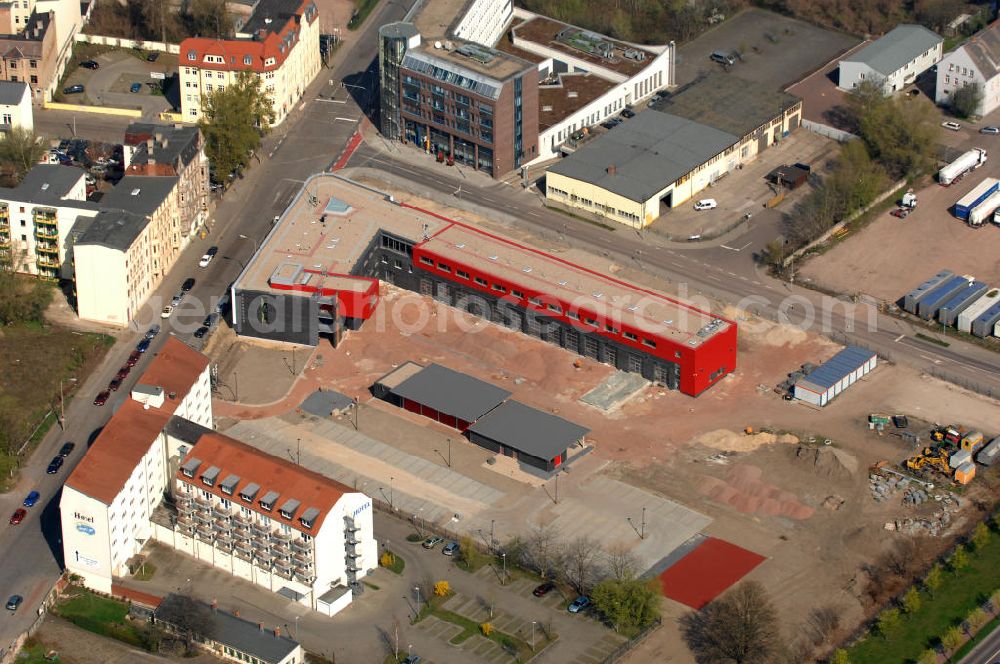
931	457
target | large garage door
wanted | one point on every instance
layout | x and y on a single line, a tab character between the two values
573	340
512	318
591	347
611	355
634	363
443	293
534	326
426	287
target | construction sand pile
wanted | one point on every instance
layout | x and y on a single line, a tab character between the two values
744	490
827	461
731	441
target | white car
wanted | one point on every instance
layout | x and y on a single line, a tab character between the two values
706	204
954	126
209	255
167	310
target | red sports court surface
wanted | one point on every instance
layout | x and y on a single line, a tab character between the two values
706	572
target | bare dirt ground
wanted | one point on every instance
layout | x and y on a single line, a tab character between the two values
892	256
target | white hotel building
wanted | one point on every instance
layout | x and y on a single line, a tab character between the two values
258	517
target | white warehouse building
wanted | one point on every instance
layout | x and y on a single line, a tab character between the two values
835	375
256	516
893	60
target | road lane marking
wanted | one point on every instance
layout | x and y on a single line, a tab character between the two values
899	337
346	119
332	101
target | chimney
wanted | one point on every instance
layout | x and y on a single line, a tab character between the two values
38	25
149	144
165	142
611	170
277	631
158	136
260	626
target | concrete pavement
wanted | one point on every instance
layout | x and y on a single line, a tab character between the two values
987	652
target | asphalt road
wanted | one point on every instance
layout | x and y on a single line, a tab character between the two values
308	142
987	652
726	270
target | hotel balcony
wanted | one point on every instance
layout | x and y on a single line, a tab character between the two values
47	262
281	536
350	526
261	530
303	576
49	248
240	520
242	553
280	550
47	271
259	543
221	525
353	555
284	572
220	511
185	521
4	241
302	546
202	503
204	534
241	533
46	231
201	517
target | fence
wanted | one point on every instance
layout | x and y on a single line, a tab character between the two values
123	42
624	648
826	130
893	188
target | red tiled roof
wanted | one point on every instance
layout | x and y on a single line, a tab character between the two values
271	473
125	439
234	51
136	596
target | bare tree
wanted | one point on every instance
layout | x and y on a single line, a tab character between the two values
620	562
741	627
542	551
823	621
20	151
581	563
188	618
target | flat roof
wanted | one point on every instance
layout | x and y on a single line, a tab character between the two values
140	194
48	184
645	154
896	48
582	44
339	245
399	374
571	93
727	103
833	370
435	20
529	430
336	245
451	392
579	287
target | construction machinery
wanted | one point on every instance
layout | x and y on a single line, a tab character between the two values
935	458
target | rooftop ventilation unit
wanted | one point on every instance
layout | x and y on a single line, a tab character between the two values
135	192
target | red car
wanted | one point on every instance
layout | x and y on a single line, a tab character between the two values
18	516
114	384
544	589
123	372
900	212
133	359
102	398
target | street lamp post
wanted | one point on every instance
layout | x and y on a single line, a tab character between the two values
417	589
532	636
254	240
62	408
503	581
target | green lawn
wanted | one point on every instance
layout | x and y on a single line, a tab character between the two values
145	572
398	564
34	361
959	593
100	615
33	653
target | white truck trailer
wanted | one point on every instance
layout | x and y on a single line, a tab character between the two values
969	161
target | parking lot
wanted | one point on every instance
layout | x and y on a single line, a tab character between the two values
776	50
111	83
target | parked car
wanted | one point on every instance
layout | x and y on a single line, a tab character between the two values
135	87
209	255
450	549
143	346
66	449
18	516
31	499
152	57
102	398
152	332
54	465
73	89
175	301
167	310
14	602
990	130
543	589
187	285
200	332
114	384
627	113
954	126
412	659
90	64
209	320
432	541
578	604
902	212
706	204
133	359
